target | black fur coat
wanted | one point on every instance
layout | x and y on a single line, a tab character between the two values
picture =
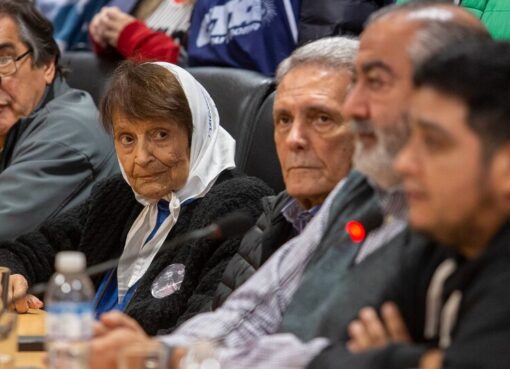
99	228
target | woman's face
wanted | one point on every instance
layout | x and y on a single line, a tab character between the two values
154	154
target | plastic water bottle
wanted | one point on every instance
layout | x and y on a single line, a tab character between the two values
69	319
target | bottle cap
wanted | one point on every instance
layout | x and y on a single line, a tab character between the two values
70	262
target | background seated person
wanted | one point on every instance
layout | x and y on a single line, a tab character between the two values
177	163
52	148
314	147
246	34
156	34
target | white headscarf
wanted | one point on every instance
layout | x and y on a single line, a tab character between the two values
212	151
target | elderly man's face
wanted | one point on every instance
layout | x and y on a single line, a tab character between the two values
313	143
379	97
20	92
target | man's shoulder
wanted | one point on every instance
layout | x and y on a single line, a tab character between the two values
355	182
72	103
274	204
351	198
270	221
70	120
70	111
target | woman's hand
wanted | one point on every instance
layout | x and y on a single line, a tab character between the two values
369	331
107	25
18	287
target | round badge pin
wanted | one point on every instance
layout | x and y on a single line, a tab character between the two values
168	281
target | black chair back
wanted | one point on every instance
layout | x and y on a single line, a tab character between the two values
238	95
261	158
88	72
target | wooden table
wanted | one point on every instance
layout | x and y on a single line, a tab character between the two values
30	324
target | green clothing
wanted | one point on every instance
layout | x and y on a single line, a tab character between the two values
495	14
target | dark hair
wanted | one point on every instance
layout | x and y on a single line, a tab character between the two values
478	73
34	30
145	91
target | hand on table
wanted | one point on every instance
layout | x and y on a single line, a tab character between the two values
18	287
370	331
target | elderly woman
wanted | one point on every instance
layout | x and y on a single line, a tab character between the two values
177	175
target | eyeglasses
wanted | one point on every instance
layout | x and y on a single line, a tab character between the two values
8	63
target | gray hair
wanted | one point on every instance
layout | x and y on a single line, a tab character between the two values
438	27
331	52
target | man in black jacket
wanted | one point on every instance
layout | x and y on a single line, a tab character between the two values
314	146
454	312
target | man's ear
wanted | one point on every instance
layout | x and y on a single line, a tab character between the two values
500	172
49	71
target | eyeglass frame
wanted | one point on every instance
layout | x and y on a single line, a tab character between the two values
15	59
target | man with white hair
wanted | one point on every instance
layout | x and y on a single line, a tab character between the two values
314	146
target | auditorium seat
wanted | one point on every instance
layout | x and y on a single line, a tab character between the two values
88	72
238	95
261	159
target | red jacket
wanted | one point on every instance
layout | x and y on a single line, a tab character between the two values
137	41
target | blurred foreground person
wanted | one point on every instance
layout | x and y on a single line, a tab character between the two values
455	313
177	176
